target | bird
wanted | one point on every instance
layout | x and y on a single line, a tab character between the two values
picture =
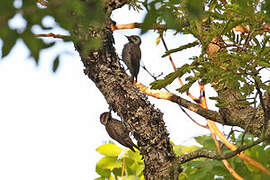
131	55
117	130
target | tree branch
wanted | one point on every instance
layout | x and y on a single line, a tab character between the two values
159	94
135	25
60	36
205	154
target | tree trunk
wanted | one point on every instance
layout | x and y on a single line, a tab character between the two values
141	117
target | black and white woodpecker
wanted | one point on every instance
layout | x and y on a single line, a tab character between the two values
117	130
131	55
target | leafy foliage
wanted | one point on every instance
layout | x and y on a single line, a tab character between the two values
213	169
131	163
171	77
241	55
186	46
68	14
113	165
160	11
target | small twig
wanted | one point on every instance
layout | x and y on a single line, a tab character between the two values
53	35
247	40
228	136
152	75
193	120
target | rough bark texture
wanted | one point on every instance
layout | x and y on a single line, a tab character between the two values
253	120
141	117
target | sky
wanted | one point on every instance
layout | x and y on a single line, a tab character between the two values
49	122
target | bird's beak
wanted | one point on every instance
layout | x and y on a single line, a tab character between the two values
110	111
127	37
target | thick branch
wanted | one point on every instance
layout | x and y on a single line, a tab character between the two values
159	94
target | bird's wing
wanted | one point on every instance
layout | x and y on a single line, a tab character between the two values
136	57
118	132
126	54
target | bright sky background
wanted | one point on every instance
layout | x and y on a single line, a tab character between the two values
49	122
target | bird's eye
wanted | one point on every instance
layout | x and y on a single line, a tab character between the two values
103	121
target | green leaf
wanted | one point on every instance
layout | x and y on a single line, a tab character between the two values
178	149
135	156
149	19
266	7
138	168
188	149
206	141
131	177
103	172
55	64
7	9
194	8
185	87
201	139
162	83
186	46
117	171
110	150
9	38
100	178
109	163
7	46
263	63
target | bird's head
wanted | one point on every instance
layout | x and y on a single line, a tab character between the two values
105	118
134	39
